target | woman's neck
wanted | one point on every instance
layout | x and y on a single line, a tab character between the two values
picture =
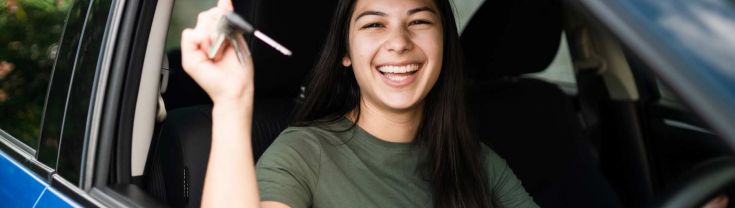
391	126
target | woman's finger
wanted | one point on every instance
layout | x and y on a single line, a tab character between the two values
225	4
720	201
193	48
207	22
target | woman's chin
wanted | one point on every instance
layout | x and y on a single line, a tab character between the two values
401	103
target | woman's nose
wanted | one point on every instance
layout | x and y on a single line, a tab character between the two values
399	41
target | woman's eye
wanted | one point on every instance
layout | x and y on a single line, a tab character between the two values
372	25
420	22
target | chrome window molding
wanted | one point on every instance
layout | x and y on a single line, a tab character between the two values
71	187
15	144
686	126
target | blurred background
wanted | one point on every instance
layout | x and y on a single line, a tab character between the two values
31	31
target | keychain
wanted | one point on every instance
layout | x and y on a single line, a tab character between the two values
231	27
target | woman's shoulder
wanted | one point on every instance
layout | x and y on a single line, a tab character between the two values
489	154
293	144
507	190
494	163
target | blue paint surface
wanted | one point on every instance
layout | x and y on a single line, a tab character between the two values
51	198
18	186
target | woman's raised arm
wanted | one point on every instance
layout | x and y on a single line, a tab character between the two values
230	180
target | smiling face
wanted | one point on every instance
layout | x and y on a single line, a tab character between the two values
395	50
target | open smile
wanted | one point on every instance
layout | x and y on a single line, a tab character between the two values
399	75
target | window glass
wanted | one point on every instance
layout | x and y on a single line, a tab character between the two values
29	41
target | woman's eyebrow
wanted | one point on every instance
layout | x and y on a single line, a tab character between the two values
421	9
370	12
410	12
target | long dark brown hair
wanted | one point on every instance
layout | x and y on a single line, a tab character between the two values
452	161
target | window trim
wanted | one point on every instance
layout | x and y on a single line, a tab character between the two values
18	151
15	144
71	191
111	35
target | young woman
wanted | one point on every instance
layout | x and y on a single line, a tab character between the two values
383	125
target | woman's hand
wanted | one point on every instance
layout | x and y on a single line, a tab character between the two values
224	79
230	180
720	201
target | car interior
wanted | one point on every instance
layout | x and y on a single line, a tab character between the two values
614	137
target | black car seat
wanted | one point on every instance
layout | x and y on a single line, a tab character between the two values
178	158
530	122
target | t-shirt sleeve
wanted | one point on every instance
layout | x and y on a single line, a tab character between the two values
506	188
288	170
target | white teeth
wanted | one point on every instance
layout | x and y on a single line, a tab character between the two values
399	69
396	77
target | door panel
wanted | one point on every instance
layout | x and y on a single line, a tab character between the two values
52	198
20	187
677	141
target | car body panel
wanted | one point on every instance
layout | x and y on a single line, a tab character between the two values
23	188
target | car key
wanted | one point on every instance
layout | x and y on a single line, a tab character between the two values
231	27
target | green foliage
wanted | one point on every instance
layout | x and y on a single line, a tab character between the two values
29	41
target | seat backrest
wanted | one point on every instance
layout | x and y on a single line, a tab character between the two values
178	159
530	122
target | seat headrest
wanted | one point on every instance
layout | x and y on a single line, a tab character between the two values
510	38
301	26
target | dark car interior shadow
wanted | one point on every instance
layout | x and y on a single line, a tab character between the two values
532	123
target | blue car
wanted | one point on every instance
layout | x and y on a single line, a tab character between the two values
627	103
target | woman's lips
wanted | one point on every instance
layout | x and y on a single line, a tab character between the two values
398	75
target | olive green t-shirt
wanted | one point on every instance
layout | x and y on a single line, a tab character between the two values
326	166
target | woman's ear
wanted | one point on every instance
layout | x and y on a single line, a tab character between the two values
346	62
